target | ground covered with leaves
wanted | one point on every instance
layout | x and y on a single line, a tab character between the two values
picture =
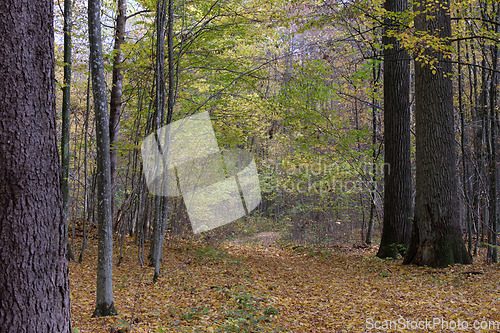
254	286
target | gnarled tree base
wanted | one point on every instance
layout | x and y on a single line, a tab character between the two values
437	251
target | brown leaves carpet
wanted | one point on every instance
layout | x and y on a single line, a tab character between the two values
253	286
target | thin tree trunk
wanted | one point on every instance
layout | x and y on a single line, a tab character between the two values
172	75
85	175
162	202
116	93
477	151
492	255
157	241
375	154
74	208
465	155
104	295
66	111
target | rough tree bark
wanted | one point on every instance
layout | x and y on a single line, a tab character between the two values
104	295
436	239
396	229
34	285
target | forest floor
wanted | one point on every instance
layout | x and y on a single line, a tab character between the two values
257	285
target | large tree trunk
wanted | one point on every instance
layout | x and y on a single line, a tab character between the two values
397	176
436	239
116	93
104	294
34	286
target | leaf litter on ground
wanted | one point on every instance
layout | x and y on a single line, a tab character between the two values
266	287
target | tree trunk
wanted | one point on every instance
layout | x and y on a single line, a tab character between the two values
436	239
477	149
116	93
34	285
396	229
376	152
66	111
465	155
104	294
159	203
162	202
492	255
85	175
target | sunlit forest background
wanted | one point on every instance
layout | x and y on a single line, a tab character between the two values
299	85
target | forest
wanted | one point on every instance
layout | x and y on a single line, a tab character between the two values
249	166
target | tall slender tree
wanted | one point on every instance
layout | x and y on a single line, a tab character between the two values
492	148
66	115
104	295
397	176
34	285
115	107
376	71
436	239
159	225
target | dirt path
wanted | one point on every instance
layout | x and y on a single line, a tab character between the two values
261	237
